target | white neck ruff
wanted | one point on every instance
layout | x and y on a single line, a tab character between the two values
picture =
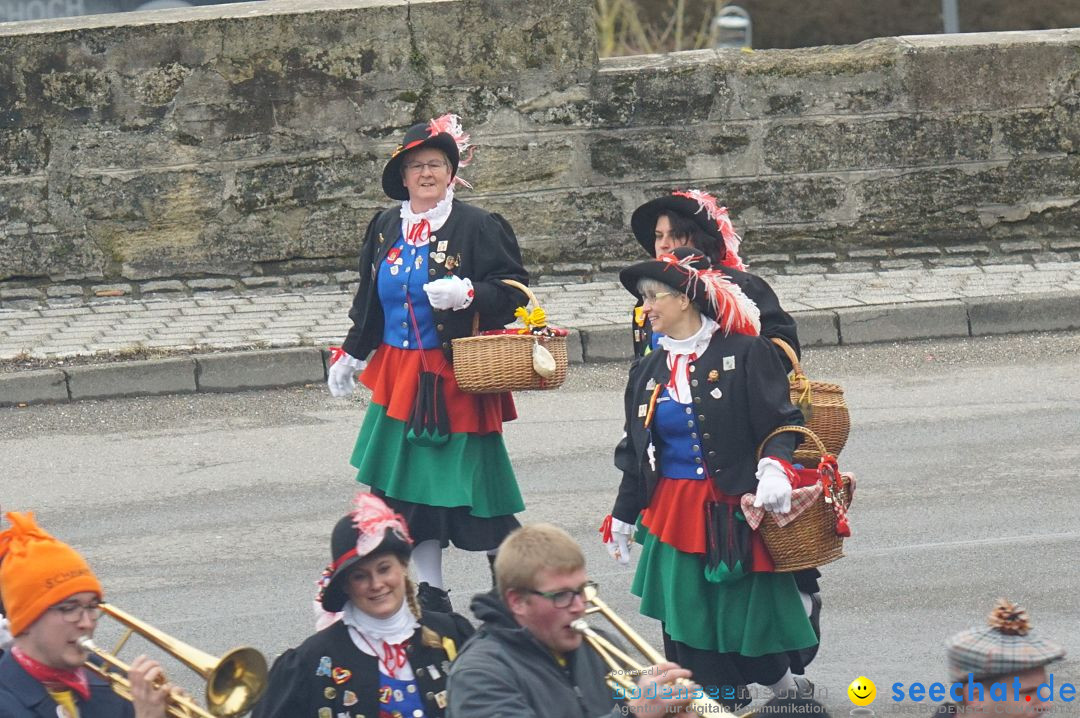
395	629
678	361
436	216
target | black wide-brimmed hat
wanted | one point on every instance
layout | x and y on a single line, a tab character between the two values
687	270
444	133
699	207
370	529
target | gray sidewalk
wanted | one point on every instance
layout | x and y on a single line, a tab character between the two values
222	341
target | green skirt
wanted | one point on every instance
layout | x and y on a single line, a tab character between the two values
756	615
471	470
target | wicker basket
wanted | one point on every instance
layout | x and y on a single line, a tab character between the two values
823	407
496	363
810	540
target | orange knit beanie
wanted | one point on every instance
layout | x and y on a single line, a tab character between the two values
38	571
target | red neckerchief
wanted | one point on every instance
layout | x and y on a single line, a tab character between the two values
675	368
393	658
53	678
418	233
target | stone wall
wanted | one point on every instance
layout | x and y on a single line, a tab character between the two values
248	139
797	23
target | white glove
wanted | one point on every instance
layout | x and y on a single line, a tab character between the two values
619	545
341	377
451	292
773	488
5	634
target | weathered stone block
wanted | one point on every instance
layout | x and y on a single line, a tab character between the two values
606	343
898	322
987	71
514	167
33	387
544	222
1005	315
657	152
876	143
258	369
134	378
304	182
821	81
23	151
817	328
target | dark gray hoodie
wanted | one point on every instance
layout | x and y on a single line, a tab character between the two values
503	672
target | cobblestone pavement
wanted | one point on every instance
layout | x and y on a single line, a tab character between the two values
216	318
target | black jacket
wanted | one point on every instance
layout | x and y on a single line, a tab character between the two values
775	322
480	246
503	672
23	697
735	409
295	691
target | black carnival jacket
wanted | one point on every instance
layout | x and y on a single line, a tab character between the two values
480	246
740	394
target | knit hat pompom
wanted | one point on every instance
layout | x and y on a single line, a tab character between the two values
38	571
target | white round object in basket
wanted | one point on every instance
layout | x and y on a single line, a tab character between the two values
542	361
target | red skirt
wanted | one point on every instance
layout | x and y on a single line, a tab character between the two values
676	517
393	375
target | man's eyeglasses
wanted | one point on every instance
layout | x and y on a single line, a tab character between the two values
563	599
651	298
432	166
72	612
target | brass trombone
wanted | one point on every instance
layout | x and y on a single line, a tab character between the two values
233	682
623	666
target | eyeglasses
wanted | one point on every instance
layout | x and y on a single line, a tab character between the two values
73	612
432	166
563	599
651	298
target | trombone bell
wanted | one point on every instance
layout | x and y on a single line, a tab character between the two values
234	682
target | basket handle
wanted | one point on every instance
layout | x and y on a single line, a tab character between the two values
796	367
794	428
516	285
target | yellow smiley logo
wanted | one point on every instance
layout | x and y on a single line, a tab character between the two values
862	691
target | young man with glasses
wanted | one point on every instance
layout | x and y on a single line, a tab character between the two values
52	599
526	660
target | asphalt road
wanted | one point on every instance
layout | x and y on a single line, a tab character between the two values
209	515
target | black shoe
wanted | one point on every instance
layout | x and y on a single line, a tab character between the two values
433	599
804	688
491	565
815	614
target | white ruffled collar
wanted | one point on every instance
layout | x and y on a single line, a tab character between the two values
393	630
435	217
693	344
680	352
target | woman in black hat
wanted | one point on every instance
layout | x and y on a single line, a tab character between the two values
428	266
380	654
693	218
697	408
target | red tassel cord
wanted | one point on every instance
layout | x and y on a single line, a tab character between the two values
605	529
834	492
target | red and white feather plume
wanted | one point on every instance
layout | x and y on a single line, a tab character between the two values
734	311
451	125
371	519
708	204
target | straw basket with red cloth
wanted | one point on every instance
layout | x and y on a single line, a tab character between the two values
812	533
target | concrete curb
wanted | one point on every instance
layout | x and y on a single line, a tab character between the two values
269	368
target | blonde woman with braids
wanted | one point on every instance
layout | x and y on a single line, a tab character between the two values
379	653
